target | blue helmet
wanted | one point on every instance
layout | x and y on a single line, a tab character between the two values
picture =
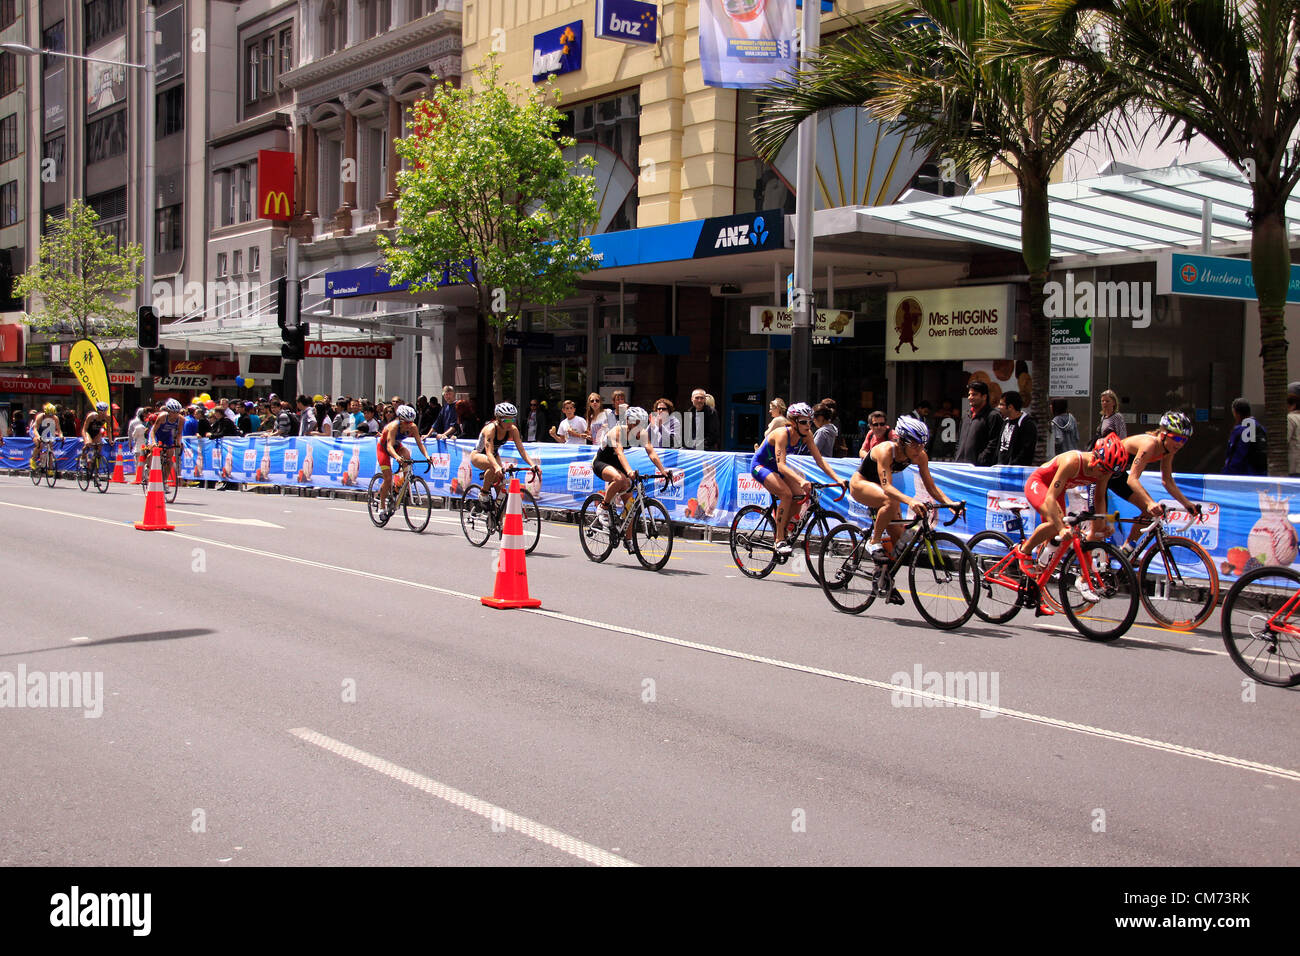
912	429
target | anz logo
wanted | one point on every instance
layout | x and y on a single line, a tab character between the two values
742	235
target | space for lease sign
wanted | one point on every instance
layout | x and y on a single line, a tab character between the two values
939	324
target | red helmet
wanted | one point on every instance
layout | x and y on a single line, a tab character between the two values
1109	453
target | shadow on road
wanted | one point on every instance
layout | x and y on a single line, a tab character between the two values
142	637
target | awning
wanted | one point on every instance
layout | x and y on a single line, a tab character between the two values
260	333
1135	210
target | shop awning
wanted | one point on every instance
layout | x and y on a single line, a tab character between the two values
1133	210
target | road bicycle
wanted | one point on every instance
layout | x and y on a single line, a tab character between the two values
168	461
91	466
942	575
753	533
483	514
44	464
1096	566
1261	625
645	519
409	492
1177	581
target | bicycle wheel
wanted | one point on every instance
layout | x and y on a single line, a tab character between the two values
83	475
417	507
171	480
944	580
652	535
1178	582
753	541
597	539
1261	625
1116	584
847	572
475	516
51	469
378	517
813	536
532	522
102	477
997	602
37	470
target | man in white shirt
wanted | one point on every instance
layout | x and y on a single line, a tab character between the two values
573	429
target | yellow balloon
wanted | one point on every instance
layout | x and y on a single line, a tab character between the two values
318	398
205	397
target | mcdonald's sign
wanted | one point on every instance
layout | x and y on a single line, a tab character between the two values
274	184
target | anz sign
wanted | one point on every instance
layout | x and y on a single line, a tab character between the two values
746	233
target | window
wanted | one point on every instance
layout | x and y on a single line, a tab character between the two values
329	42
8	137
53	149
8	73
9	203
613	122
111	208
168	221
246	192
268	65
170	117
238	260
254	259
222	260
267	56
52	39
106	138
286	50
8	12
102	18
254	61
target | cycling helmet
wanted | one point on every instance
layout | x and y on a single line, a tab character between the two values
48	409
799	410
912	429
406	413
1109	453
1176	423
172	405
101	406
636	415
506	410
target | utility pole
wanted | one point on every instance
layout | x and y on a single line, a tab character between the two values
804	306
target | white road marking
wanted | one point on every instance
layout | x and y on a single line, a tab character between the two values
221	519
1116	736
498	815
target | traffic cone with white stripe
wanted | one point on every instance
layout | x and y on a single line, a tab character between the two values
119	475
155	499
512	576
139	469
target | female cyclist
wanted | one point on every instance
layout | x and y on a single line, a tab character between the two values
1160	445
778	477
611	464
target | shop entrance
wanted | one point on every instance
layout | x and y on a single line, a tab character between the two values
554	380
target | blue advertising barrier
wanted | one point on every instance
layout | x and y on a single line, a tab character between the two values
1248	522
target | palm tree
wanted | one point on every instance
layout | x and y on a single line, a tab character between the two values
940	69
1226	70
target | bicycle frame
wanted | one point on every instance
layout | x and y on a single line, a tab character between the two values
995	575
1285	612
636	504
919	524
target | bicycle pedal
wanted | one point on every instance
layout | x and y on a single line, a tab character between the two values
1042	611
895	597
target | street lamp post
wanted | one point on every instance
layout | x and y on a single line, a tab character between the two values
150	107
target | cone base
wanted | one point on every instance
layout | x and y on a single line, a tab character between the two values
141	526
507	603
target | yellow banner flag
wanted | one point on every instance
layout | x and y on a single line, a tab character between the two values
88	367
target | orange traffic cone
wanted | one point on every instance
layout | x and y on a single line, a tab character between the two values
119	476
512	577
139	469
155	500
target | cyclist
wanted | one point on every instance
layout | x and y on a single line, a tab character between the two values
45	429
611	465
1046	493
1160	445
93	432
492	436
166	432
390	447
873	485
779	478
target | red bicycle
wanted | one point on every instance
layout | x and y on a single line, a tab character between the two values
1097	588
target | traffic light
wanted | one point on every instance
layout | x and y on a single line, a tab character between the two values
159	360
295	342
146	330
282	303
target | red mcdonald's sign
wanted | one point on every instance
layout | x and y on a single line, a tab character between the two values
274	184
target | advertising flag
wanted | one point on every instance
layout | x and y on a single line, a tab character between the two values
746	44
88	368
274	184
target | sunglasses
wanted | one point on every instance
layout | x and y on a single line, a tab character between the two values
802	421
1177	439
877	424
508	421
661	408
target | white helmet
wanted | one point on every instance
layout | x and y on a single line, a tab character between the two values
636	415
406	413
799	410
506	410
101	406
172	405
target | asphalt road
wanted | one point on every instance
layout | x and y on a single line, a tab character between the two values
282	683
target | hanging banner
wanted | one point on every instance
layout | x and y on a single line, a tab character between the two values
771	320
89	370
274	184
746	44
106	75
971	322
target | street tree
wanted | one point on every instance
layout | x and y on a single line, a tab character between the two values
939	69
487	198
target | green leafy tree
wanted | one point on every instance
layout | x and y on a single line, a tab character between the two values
1230	72
80	277
939	68
487	198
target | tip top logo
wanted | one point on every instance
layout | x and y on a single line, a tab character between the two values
1100	300
908	318
742	235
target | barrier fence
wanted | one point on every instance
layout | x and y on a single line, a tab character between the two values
1247	522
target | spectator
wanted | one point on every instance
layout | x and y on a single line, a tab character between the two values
286	422
1065	430
322	425
423	416
1293	434
997	424
572	429
878	430
203	422
221	425
369	423
444	426
599	419
17	425
189	425
973	442
306	416
618	403
1019	433
344	424
663	426
137	432
244	423
700	426
827	432
467	423
841	447
778	420
1111	419
533	427
1247	445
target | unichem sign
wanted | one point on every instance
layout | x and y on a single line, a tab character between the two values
1215	277
628	21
